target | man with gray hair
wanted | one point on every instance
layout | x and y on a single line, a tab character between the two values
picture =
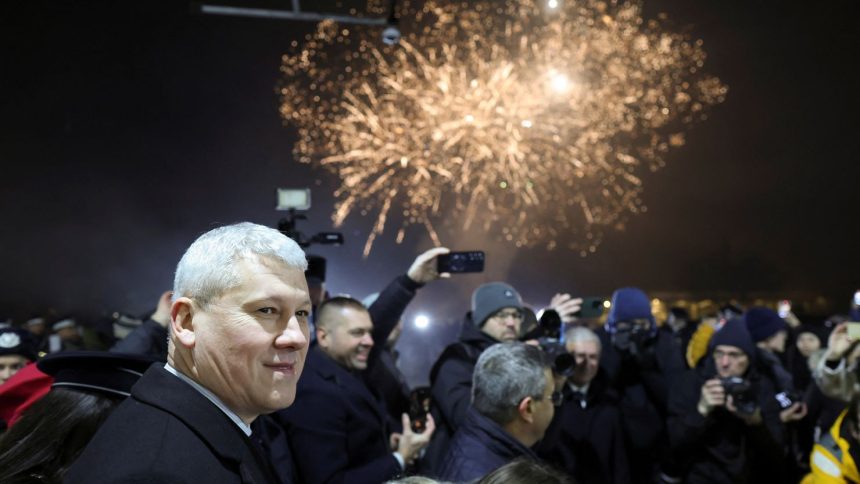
238	340
512	404
585	437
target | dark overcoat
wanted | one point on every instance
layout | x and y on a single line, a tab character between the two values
168	432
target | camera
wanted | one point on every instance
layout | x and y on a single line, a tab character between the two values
548	326
548	335
391	34
630	337
741	392
561	362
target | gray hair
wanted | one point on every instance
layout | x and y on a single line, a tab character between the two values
208	267
579	334
505	374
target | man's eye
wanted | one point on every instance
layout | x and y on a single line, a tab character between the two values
302	313
267	310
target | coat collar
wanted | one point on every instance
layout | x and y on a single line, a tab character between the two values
494	436
158	388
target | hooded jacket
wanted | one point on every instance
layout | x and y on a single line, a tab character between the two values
451	388
721	447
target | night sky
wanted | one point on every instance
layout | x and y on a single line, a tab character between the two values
129	128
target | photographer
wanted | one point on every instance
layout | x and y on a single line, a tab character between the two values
585	437
640	364
724	420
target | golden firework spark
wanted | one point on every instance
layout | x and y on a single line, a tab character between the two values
533	121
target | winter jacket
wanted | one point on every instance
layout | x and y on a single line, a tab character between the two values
585	437
479	447
833	459
451	388
721	447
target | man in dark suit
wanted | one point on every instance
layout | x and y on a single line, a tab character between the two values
337	430
238	341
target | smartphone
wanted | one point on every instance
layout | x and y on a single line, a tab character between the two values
854	330
857	298
784	308
419	407
592	307
459	262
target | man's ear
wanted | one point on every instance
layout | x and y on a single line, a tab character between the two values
526	409
181	321
322	337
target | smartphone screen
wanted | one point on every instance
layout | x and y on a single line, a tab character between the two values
784	308
459	262
854	330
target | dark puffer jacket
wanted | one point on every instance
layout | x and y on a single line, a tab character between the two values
479	447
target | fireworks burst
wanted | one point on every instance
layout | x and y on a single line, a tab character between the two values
534	122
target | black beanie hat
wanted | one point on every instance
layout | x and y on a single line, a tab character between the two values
762	323
734	333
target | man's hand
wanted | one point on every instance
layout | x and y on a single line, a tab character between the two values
162	311
713	395
749	419
793	413
838	343
423	270
410	443
566	306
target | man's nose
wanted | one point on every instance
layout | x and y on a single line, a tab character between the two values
367	340
292	336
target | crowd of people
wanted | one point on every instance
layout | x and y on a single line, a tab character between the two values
248	372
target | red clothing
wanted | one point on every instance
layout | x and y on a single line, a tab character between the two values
21	391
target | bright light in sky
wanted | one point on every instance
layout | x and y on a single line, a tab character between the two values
422	321
552	4
559	82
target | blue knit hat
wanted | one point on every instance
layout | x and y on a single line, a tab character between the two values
734	333
629	303
762	323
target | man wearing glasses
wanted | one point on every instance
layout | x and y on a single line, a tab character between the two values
724	420
495	316
513	402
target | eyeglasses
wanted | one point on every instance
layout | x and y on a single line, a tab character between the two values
734	355
515	315
557	398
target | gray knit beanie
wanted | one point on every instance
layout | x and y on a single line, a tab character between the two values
490	298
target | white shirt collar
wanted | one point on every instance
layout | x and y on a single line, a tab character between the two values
212	398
